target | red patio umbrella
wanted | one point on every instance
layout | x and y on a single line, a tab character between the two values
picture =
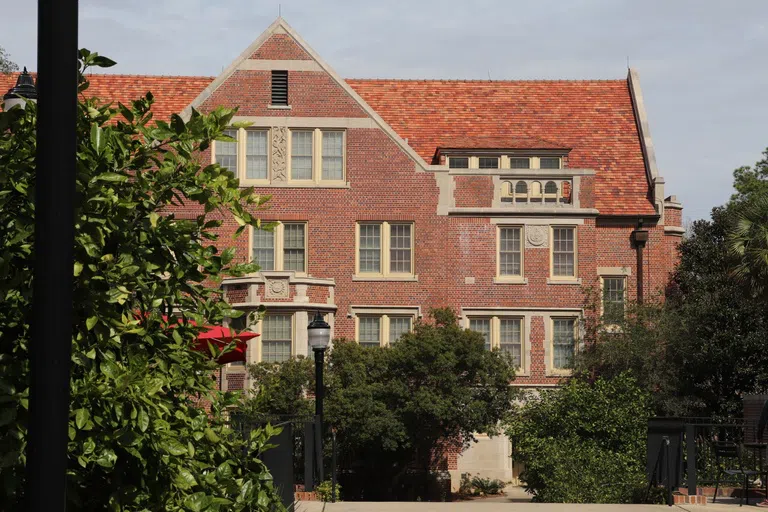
221	337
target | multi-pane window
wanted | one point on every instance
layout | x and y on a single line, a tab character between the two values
510	251
398	325
276	339
458	162
549	162
488	162
264	248
385	248
519	163
301	155
400	248
226	152
563	342
256	159
613	299
369	331
333	155
511	339
370	248
563	252
294	247
483	326
283	247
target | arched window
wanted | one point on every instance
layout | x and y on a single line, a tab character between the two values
509	189
550	192
521	192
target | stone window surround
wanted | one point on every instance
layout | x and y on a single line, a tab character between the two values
385	274
613	272
553	279
495	317
383	313
317	156
241	145
527	314
509	279
278	230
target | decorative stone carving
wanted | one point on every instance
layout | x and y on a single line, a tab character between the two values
279	153
536	236
276	288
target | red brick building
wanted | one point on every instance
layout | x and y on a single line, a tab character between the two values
501	199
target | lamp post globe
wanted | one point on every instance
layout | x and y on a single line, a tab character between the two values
319	333
23	91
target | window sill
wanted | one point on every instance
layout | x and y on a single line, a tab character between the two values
279	107
363	277
253	183
572	281
559	373
510	280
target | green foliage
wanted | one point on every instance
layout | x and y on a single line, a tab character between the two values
584	442
280	389
748	242
478	486
398	407
325	491
138	437
6	64
750	182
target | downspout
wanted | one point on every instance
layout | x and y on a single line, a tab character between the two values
640	237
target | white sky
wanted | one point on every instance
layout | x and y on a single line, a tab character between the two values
702	63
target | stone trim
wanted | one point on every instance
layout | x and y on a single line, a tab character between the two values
363	278
307	122
564	281
260	277
287	306
530	210
286	65
674	230
614	271
643	128
539	221
539	174
376	309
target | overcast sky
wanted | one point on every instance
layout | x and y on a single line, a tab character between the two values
703	64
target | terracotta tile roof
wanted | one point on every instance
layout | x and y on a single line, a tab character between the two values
500	142
594	118
172	93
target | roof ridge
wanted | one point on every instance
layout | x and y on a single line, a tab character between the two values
133	75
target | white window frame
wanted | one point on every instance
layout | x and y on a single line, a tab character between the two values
384	315
575	277
259	329
384	255
495	338
551	370
242	146
317	156
279	247
602	294
520	278
469	161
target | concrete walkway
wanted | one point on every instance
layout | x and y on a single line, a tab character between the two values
489	506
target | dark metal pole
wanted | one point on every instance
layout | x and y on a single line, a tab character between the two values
333	466
54	239
319	395
690	444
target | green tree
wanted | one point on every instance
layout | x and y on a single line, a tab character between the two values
139	439
281	389
6	64
751	181
748	242
584	442
399	408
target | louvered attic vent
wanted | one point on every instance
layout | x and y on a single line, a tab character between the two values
279	87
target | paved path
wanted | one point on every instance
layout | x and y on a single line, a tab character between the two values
496	506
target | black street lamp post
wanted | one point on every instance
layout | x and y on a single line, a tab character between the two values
319	334
52	317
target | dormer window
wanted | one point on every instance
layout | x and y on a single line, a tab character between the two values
488	162
549	162
458	162
519	163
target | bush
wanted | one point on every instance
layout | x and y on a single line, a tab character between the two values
478	486
584	442
325	491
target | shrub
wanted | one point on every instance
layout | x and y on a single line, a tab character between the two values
325	491
584	442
